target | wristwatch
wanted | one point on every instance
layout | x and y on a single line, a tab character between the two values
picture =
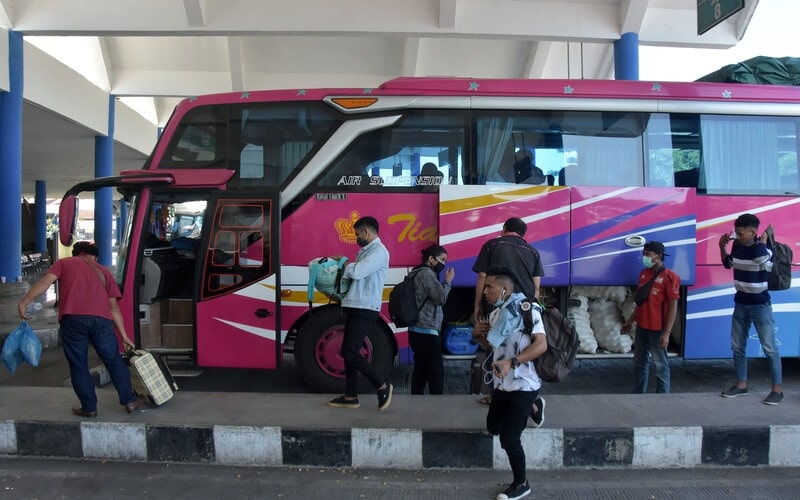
515	363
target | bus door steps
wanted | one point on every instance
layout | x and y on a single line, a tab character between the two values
185	373
179	359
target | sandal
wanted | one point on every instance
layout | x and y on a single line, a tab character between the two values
486	400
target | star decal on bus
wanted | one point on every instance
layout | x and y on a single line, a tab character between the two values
245	95
568	89
301	92
726	94
656	86
192	98
473	85
367	91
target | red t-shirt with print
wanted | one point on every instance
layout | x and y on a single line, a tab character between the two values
666	287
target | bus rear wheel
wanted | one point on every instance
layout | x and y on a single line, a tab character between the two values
318	351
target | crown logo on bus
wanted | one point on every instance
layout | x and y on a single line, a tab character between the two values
345	227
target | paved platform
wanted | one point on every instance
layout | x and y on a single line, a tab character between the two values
591	421
596	430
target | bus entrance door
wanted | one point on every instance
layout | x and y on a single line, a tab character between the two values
238	306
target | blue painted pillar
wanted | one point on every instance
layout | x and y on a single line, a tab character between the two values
11	163
626	57
40	216
103	206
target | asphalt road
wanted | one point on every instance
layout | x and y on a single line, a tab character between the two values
67	479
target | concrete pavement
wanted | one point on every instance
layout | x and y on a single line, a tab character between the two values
591	421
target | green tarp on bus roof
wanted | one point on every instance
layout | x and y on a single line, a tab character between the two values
760	69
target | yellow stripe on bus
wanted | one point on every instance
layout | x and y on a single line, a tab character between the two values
471	203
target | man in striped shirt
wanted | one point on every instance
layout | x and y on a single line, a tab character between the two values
751	261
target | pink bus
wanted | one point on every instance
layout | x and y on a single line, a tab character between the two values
244	189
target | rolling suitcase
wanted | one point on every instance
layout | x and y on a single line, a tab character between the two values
150	376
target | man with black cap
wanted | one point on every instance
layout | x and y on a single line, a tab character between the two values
656	307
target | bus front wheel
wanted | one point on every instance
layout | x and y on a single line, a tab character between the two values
318	351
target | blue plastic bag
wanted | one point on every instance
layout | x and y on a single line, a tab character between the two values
30	346
12	355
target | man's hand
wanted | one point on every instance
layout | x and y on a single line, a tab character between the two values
723	240
479	333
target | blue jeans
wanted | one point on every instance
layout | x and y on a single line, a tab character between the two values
77	332
760	316
647	346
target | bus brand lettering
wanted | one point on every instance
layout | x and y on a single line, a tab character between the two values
412	229
349	180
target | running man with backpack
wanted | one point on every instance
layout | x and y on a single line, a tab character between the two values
424	334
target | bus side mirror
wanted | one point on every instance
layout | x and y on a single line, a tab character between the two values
67	219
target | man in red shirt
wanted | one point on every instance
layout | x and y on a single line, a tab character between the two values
654	317
87	314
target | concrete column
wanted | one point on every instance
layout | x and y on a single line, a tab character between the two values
40	216
103	205
11	163
626	57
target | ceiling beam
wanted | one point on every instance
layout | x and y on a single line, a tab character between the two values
236	64
632	15
447	14
105	61
5	16
554	20
195	12
538	56
410	62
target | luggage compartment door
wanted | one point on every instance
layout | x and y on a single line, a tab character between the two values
610	225
238	307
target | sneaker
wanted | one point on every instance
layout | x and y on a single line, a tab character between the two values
773	398
385	397
343	402
734	391
538	416
515	491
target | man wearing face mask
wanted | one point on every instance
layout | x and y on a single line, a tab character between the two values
654	319
360	307
516	383
751	262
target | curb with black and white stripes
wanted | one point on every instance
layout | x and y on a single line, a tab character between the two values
639	447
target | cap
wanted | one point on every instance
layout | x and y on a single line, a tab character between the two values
656	247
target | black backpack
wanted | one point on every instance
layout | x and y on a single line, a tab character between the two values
562	341
403	308
781	276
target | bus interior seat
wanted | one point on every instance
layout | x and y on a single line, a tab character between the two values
165	273
687	178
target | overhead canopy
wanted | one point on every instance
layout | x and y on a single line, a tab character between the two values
761	70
